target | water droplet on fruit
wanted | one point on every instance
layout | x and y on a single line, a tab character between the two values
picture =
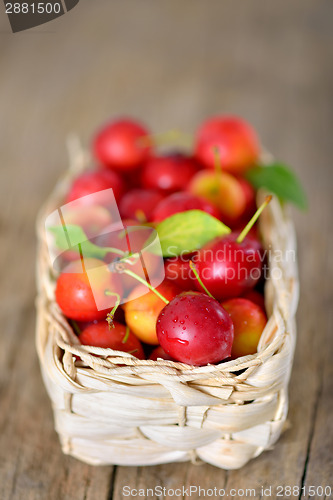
175	320
182	321
184	327
186	316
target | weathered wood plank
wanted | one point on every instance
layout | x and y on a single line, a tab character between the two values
32	465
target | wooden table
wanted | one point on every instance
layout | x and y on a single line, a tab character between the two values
172	64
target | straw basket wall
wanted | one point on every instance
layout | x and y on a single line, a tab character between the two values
116	409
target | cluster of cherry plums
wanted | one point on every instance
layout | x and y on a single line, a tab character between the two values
210	305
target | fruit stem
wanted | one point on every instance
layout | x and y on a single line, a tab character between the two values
140	215
144	282
217	162
194	269
253	219
75	327
110	315
125	338
167	138
113	250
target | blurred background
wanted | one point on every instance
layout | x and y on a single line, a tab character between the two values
171	64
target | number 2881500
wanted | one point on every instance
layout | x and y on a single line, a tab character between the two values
33	8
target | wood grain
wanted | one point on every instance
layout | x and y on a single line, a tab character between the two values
171	64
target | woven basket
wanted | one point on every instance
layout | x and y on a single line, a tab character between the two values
116	409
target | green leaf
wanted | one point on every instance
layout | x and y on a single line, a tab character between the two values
68	235
71	236
188	231
280	180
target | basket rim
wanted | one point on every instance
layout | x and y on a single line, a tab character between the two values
106	361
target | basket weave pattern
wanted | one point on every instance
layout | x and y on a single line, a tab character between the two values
116	409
